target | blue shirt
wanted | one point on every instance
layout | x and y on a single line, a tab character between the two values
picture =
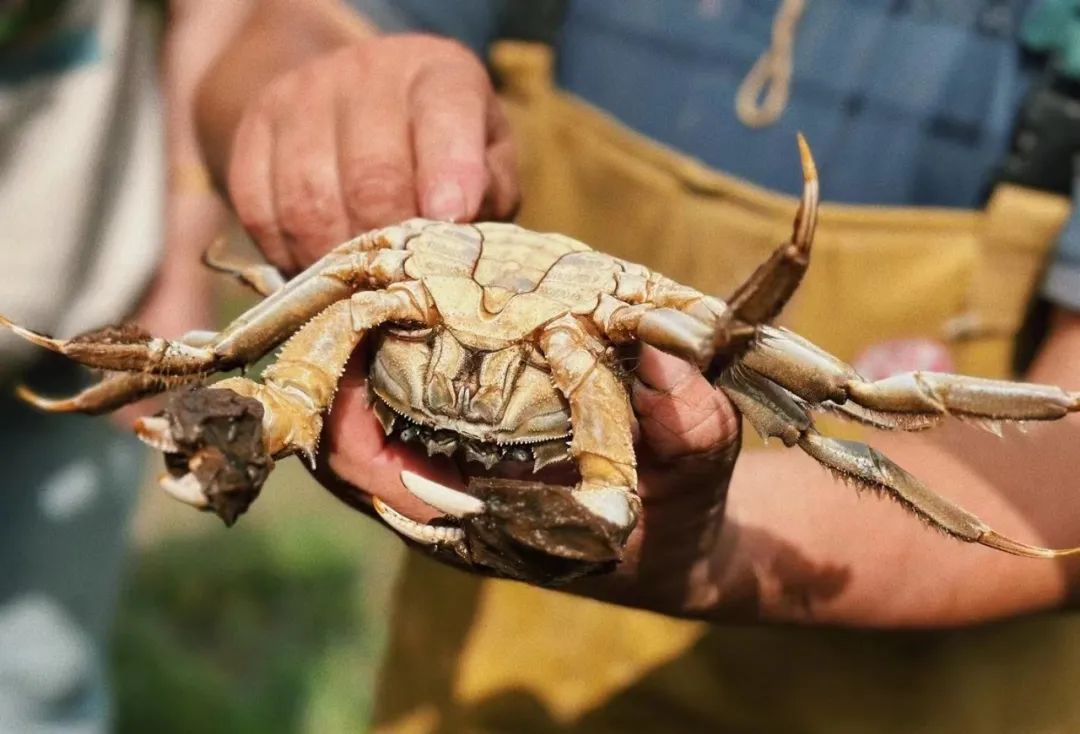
906	102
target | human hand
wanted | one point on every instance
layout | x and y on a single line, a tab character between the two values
365	136
688	441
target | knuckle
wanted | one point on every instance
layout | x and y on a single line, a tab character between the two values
377	188
254	219
277	93
307	207
262	228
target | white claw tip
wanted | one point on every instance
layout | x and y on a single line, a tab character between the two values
442	498
186	489
418	531
155	432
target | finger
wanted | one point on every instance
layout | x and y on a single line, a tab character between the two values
306	187
450	109
680	413
359	452
251	189
374	150
503	196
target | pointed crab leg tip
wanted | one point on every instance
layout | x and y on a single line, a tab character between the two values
1016	548
56	345
416	531
807	158
186	489
807	214
51	405
212	253
442	498
156	432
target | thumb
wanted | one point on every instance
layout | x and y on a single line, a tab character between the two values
680	412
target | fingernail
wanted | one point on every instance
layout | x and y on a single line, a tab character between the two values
446	201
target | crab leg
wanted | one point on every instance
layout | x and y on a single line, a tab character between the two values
774	413
685	322
764	294
263	278
916	397
668	329
106	395
601	416
116	389
245	340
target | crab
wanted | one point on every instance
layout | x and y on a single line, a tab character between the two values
502	345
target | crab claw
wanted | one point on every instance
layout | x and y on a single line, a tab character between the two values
187	489
442	498
418	531
214	449
525	530
156	432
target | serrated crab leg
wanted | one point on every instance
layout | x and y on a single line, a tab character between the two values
774	413
115	389
600	412
300	385
915	399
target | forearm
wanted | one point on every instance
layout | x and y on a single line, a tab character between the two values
276	36
803	547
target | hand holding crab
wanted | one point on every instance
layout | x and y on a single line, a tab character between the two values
505	345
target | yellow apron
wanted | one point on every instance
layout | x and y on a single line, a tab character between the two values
479	655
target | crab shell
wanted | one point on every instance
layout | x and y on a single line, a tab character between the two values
481	374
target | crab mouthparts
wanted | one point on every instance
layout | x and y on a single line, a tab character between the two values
488	454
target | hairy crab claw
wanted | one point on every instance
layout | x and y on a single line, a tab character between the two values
213	446
526	530
156	432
